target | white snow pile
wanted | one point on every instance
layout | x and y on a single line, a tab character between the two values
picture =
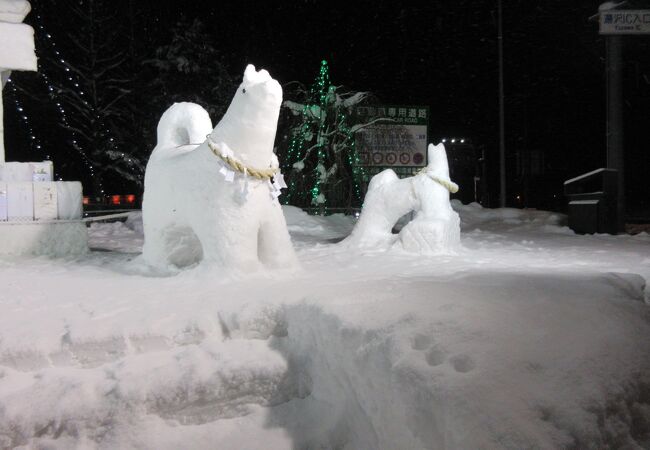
474	216
317	228
528	337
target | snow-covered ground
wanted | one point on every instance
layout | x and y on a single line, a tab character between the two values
529	337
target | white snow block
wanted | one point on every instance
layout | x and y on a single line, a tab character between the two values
14	11
17	49
43	238
45	201
16	171
20	201
42	171
3	201
69	200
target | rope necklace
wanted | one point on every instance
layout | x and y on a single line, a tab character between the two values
260	174
449	185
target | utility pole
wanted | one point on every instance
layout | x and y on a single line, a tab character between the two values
614	24
502	144
615	138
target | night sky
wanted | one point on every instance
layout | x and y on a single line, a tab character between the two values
443	54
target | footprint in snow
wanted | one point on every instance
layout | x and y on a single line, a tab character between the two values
421	342
435	356
462	363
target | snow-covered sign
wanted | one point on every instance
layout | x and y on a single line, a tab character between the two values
625	22
397	138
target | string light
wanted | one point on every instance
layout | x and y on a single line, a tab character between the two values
34	141
319	113
72	86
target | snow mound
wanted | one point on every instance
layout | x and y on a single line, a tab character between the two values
523	339
474	215
134	222
54	239
333	227
190	385
472	375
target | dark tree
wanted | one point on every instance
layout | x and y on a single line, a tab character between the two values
91	82
188	68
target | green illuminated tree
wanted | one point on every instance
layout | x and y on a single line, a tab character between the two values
321	162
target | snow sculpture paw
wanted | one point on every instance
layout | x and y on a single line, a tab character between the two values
432	236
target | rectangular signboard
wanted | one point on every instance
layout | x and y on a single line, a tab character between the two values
397	136
625	21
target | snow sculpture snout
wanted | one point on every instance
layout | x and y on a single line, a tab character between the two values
217	202
435	227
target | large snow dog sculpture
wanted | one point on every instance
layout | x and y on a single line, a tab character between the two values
435	227
215	200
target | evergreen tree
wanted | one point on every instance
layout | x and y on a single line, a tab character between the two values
321	163
188	68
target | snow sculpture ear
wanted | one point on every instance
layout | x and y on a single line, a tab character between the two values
249	74
438	165
263	75
252	77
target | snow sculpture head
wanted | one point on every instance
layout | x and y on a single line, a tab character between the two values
438	165
249	125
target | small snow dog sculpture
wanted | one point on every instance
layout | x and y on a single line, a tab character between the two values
435	228
217	202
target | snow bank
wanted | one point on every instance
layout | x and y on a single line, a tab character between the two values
56	239
456	372
474	215
526	338
323	228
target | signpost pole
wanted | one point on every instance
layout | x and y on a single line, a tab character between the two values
615	142
2	132
502	144
614	23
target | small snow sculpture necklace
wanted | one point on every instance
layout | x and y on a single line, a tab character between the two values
449	185
226	156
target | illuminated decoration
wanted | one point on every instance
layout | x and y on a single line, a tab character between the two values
322	164
54	94
88	99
